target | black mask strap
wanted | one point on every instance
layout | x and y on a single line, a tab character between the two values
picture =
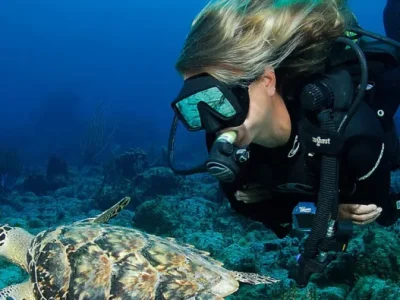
171	146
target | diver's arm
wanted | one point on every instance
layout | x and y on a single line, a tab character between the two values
268	212
368	167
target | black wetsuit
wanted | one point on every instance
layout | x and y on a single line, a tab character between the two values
364	170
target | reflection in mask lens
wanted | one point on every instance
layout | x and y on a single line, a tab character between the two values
213	97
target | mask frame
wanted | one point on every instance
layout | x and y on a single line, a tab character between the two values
237	97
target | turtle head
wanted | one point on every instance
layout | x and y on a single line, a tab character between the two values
14	244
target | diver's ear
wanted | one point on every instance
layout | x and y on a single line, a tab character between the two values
269	81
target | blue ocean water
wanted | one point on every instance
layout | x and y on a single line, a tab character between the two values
85	92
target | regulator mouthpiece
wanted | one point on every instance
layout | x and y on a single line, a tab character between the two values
225	156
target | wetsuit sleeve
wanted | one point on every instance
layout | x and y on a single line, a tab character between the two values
270	213
367	165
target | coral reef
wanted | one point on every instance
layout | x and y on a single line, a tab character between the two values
155	182
10	169
95	139
126	166
193	211
36	183
57	176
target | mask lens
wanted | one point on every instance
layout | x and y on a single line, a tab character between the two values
213	97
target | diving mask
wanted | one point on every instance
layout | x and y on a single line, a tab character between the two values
204	103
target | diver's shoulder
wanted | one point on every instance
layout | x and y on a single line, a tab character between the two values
364	123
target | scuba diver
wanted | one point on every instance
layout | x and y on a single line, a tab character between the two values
297	102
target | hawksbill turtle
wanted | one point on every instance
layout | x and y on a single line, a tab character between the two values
93	260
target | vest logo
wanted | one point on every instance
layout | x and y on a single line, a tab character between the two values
318	141
305	210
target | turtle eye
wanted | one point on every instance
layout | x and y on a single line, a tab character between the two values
2	238
7	228
3	233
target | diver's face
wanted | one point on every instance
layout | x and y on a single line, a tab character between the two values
267	122
259	125
258	116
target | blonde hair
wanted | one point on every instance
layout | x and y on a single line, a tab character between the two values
236	40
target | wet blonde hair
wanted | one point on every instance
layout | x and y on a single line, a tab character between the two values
236	40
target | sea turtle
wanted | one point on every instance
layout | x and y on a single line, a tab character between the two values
92	260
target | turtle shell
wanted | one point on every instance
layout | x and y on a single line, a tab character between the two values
101	261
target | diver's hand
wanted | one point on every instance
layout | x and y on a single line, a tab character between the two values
253	193
359	214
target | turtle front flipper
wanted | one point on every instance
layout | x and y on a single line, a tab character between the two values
253	278
17	292
110	213
113	211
